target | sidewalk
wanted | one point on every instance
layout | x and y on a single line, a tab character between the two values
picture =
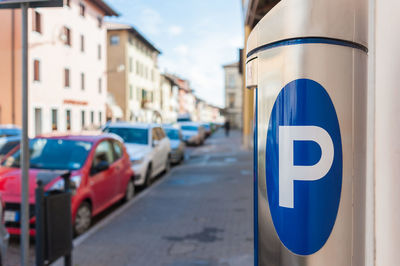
200	214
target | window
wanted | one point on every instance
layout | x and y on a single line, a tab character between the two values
68	119
54	120
231	99
231	81
104	153
100	85
82	43
83	122
100	118
36	70
38	121
154	134
114	40
130	92
99	52
138	94
99	22
137	67
37	22
66	78
92	117
67	36
118	150
130	64
131	135
82	9
83	81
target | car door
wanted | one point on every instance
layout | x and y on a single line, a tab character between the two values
102	184
119	167
165	146
157	156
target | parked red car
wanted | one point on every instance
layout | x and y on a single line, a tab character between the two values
100	169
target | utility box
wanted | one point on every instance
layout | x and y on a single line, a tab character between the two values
307	61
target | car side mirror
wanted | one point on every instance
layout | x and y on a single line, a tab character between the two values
100	167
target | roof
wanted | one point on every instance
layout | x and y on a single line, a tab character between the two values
132	125
236	64
113	26
105	8
90	136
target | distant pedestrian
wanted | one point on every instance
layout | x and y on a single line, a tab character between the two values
227	127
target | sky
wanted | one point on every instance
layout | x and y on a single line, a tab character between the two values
196	37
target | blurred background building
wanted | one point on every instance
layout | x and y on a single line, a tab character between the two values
67	67
233	95
133	74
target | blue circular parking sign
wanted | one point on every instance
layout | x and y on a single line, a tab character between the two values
303	166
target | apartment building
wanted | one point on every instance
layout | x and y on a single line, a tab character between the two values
169	99
67	66
233	94
133	74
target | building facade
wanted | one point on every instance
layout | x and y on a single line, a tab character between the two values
133	74
233	95
169	103
67	75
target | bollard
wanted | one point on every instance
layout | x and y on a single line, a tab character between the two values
307	62
39	224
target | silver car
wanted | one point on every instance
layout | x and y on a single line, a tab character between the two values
177	144
148	147
193	133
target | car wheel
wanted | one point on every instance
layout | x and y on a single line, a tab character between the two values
148	176
130	191
83	219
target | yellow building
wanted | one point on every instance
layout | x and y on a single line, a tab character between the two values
254	11
133	74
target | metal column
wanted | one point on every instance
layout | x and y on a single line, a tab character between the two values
24	142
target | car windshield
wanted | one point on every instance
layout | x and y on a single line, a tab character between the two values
172	133
9	132
53	154
131	135
206	126
189	128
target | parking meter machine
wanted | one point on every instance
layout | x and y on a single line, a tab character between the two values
307	61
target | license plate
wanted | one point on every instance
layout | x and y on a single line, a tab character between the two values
11	216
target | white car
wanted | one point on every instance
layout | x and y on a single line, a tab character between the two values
148	147
193	133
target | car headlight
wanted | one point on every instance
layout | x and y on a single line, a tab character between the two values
137	160
75	182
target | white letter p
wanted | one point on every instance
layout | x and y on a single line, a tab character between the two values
288	172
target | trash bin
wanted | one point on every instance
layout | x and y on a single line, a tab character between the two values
307	61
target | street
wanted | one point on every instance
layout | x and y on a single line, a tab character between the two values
198	214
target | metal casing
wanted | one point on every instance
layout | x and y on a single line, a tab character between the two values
341	68
339	19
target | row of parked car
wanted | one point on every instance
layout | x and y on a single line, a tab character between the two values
106	166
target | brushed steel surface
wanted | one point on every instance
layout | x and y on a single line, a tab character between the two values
342	72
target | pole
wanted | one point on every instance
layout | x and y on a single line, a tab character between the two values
24	142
